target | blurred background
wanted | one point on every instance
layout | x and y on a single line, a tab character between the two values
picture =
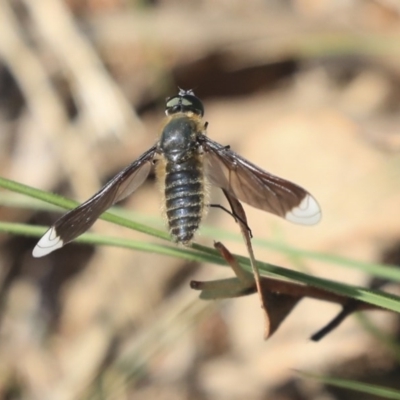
307	89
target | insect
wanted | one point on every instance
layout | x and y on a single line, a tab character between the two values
186	161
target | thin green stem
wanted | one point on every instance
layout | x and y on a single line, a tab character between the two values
205	254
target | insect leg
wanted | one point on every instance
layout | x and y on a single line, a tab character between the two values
234	216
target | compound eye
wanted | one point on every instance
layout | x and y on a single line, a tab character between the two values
172	105
194	104
184	102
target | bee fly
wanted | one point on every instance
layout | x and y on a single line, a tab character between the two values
186	160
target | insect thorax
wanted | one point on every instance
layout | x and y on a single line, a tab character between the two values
178	139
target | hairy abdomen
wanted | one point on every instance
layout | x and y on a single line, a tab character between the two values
184	194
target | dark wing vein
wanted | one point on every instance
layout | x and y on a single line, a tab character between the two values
248	182
80	219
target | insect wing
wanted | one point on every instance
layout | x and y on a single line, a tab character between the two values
258	188
80	219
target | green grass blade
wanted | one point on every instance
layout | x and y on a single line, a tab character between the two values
355	385
391	272
96	239
69	204
121	217
205	254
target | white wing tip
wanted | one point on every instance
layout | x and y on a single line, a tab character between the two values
307	212
48	243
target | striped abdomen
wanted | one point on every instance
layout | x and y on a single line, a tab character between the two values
184	197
